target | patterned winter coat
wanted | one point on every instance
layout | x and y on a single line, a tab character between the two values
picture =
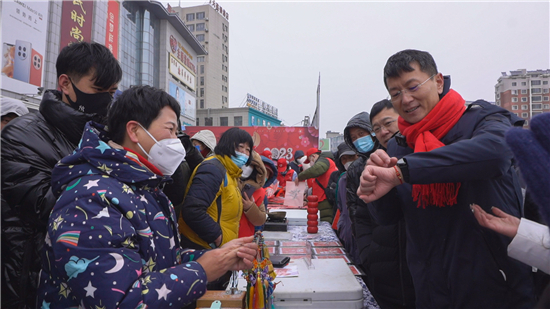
112	238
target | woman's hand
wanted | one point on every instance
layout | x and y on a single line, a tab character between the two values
502	223
247	202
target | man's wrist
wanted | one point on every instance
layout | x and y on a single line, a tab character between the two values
403	169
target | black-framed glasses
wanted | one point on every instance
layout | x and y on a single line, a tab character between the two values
377	128
395	96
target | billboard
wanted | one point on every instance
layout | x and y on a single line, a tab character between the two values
185	99
180	71
111	35
24	30
281	141
76	22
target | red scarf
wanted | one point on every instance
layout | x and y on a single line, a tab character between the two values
425	135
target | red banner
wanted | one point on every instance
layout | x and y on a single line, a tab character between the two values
281	141
76	22
111	37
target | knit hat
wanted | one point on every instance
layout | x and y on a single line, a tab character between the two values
298	154
532	151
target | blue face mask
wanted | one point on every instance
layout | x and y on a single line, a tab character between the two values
364	144
240	159
198	147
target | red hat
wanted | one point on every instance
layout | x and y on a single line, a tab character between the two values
309	152
281	165
266	153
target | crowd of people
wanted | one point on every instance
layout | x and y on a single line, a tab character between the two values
108	203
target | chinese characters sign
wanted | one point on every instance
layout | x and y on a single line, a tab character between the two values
76	22
111	35
181	72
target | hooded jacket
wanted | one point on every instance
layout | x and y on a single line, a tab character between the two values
455	262
380	249
208	139
112	238
31	146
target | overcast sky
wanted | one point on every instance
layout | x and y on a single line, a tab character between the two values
278	49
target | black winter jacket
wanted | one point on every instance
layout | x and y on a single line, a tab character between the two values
454	262
381	249
31	146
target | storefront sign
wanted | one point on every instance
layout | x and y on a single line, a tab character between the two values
111	37
76	22
179	71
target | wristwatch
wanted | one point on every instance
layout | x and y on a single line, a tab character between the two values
404	167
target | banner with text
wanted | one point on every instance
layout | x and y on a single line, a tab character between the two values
181	72
111	37
76	22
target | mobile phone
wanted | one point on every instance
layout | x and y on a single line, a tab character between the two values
279	261
248	189
22	61
36	68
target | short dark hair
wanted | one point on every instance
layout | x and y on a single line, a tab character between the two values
141	104
230	140
401	62
378	107
79	59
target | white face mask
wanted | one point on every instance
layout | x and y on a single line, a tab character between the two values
166	154
302	159
346	166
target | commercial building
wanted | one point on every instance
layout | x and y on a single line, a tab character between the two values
525	93
210	25
153	46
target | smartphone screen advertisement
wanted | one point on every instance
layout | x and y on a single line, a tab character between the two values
24	25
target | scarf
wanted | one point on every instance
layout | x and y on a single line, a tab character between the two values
424	136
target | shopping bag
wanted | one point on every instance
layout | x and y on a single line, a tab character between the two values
294	195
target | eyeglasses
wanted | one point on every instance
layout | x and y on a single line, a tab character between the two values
376	129
397	95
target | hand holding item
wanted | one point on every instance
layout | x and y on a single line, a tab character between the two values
247	202
237	254
381	158
376	181
502	223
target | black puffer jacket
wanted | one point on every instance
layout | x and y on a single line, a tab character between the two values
31	146
381	248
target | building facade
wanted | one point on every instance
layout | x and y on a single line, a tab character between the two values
525	93
210	25
237	117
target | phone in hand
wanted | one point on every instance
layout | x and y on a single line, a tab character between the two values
249	190
279	261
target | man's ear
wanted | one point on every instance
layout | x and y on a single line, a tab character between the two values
64	83
131	131
440	81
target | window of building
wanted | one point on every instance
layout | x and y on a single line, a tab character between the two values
537	106
208	121
536	90
545	82
535	83
545	90
526	123
523	99
514	92
523	91
197	122
536	98
202	69
200	37
238	120
524	83
201	92
224	122
524	115
200	15
546	106
201	104
190	17
533	114
524	107
200	27
514	84
514	107
200	59
191	27
545	98
516	114
202	81
514	99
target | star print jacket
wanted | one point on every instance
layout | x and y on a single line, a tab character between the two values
112	239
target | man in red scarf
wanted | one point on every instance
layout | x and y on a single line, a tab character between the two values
448	156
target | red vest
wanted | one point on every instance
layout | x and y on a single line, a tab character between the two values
323	179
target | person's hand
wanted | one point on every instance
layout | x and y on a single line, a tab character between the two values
237	254
382	159
247	202
296	181
502	223
375	182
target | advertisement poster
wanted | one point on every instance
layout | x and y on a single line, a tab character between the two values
185	99
24	25
281	141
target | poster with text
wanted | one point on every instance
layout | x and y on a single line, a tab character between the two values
185	99
24	25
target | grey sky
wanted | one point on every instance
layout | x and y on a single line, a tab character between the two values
278	49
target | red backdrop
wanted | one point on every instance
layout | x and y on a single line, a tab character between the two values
281	141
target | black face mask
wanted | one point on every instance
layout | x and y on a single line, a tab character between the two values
90	103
